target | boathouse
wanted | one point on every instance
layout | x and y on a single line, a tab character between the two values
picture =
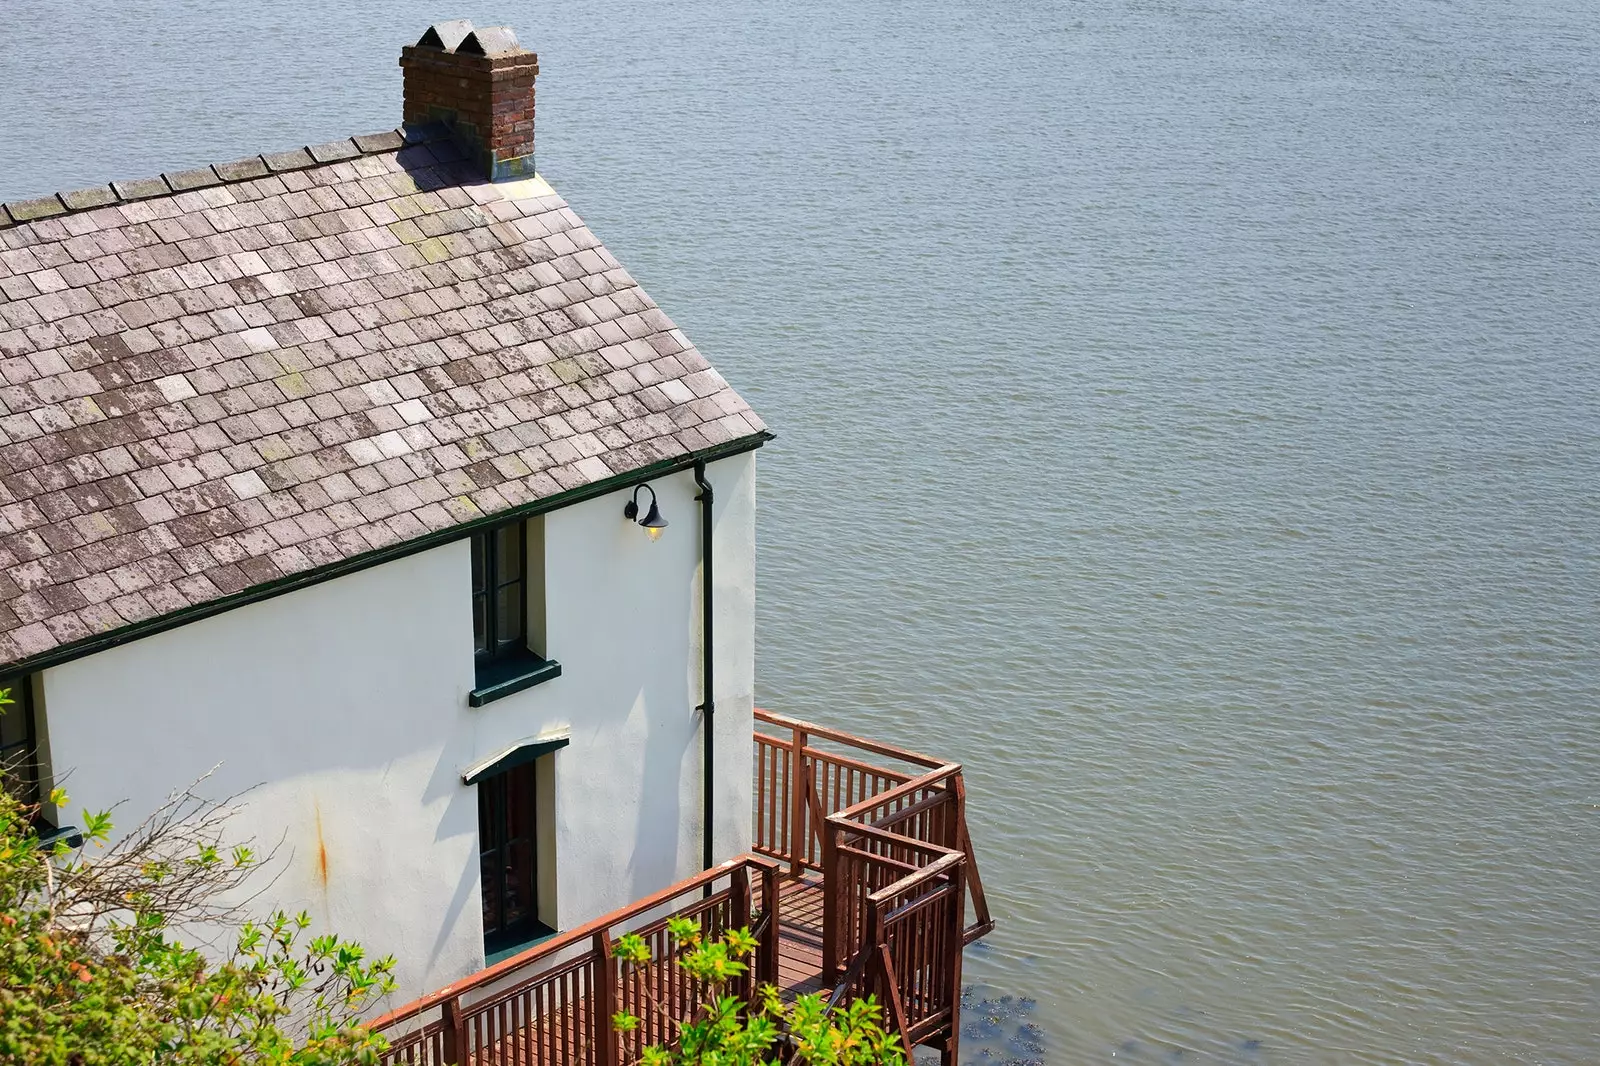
364	474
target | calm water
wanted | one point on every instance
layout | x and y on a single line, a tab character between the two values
1190	418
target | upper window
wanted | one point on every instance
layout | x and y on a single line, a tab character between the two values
508	631
499	592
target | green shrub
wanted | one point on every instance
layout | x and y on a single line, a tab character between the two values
727	1031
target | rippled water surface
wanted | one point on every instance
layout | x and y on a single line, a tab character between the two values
1189	418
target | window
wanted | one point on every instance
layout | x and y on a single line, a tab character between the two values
508	611
508	860
499	592
19	742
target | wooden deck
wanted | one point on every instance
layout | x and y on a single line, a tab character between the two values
858	883
800	902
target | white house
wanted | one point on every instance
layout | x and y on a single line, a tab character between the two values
322	467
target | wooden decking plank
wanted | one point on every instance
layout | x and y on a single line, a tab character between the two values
800	937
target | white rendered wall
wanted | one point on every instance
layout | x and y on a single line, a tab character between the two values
343	708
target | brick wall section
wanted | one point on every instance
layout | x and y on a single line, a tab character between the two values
487	101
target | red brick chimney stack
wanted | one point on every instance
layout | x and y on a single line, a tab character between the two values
480	83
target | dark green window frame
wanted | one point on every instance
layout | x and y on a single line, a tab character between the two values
500	592
504	662
508	860
19	742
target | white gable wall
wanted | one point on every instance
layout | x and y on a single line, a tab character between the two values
342	708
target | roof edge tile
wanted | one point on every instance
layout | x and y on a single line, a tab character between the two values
293	159
198	178
85	199
141	188
42	207
333	151
21	212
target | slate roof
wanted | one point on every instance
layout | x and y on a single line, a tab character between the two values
224	377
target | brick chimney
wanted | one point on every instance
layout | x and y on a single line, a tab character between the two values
480	83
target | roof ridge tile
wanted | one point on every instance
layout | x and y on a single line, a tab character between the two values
21	212
198	178
141	188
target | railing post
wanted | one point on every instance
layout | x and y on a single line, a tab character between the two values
767	972
455	1032
740	919
833	900
605	992
980	904
799	837
957	934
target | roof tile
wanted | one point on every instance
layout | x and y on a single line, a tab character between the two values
220	384
294	159
185	180
334	151
85	199
141	188
29	210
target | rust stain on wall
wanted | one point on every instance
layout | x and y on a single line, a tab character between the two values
322	848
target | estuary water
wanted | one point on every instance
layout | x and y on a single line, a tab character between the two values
1189	418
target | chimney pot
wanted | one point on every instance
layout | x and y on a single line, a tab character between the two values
490	41
479	83
446	36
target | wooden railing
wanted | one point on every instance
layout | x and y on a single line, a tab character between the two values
891	844
911	955
553	1003
791	805
896	863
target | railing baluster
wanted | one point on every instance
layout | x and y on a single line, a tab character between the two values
767	974
455	1033
799	838
740	919
604	991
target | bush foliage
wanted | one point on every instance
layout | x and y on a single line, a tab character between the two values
728	1032
92	970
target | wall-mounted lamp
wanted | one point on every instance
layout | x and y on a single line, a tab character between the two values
652	521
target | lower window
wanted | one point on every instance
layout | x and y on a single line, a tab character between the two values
508	860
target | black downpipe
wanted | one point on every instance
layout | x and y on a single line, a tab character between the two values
708	709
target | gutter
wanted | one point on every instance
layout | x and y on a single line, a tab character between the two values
100	642
707	709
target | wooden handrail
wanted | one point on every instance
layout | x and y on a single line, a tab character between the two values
854	764
848	815
565	940
911	880
830	756
842	737
926	803
889	836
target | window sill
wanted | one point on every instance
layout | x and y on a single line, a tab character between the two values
497	949
497	680
49	834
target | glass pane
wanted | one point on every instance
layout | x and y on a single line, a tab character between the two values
519	903
480	623
519	802
508	549
491	813
14	716
479	578
489	875
508	615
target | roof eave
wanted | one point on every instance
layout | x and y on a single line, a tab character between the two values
112	638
